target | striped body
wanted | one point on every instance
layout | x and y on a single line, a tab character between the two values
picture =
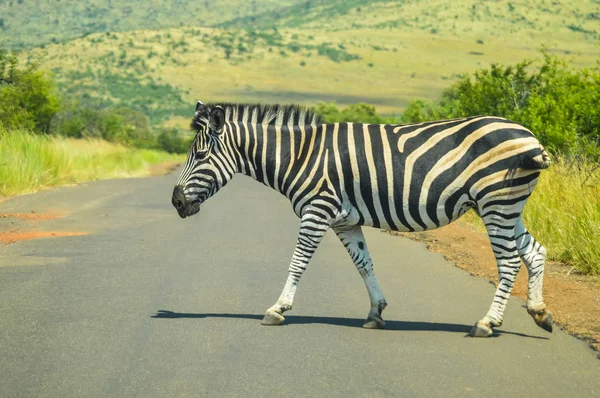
398	177
402	178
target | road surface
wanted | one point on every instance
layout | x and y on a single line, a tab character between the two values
150	305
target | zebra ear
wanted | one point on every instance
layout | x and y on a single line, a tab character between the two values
199	105
216	119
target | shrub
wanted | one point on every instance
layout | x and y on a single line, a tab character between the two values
359	113
121	125
557	102
336	54
171	141
28	97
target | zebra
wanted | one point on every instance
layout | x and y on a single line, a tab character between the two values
343	176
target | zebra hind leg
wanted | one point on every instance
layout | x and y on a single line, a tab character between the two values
533	255
354	241
501	231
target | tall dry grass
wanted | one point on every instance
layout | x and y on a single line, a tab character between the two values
31	162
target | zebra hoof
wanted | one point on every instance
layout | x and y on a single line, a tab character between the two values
374	321
481	330
272	318
544	321
374	325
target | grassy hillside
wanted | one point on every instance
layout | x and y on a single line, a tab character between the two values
503	19
164	72
380	52
35	22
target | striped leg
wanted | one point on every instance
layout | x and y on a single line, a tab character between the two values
313	227
501	232
354	241
533	255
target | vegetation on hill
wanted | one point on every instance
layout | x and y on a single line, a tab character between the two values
446	18
25	23
384	53
38	22
29	101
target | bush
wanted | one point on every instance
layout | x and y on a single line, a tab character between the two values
336	54
359	113
171	141
557	102
28	97
121	125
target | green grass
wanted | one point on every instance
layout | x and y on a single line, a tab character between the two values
563	214
31	162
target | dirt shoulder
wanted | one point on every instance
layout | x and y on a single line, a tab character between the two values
163	168
574	299
16	227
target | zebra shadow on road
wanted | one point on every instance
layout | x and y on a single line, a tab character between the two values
413	326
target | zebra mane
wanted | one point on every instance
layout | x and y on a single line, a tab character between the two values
274	115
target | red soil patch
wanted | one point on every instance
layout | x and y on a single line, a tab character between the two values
32	216
16	236
573	299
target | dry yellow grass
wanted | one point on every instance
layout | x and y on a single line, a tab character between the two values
563	214
32	162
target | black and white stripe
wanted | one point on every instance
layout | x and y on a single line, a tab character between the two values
398	177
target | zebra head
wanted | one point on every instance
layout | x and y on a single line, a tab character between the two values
209	165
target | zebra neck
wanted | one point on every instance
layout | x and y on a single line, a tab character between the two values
268	153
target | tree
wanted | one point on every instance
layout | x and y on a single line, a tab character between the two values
359	113
171	141
28	97
556	101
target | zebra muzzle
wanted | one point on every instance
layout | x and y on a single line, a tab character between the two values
178	198
184	207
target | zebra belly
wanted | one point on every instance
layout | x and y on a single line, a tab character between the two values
409	217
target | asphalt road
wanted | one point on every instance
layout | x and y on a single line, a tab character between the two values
150	305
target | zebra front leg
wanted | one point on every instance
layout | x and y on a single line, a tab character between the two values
313	227
354	241
502	238
533	255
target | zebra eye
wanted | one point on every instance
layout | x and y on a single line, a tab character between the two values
201	154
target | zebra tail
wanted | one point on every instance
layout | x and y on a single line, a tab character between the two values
538	162
527	162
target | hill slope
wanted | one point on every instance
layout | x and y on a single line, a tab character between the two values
513	20
380	52
35	22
